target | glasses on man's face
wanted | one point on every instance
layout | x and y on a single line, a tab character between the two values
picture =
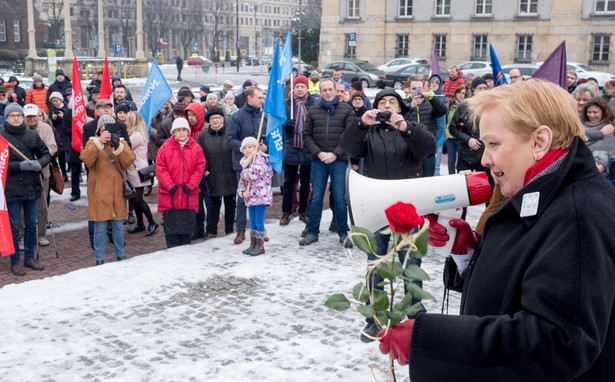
391	101
215	118
515	77
15	116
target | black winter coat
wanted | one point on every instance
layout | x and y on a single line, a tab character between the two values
164	131
58	127
23	185
295	155
426	113
59	87
323	132
462	128
242	124
67	132
389	153
538	294
221	180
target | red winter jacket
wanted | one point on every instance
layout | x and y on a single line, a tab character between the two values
176	166
450	85
197	109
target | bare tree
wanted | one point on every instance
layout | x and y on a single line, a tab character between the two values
219	18
56	19
89	19
192	23
158	17
128	21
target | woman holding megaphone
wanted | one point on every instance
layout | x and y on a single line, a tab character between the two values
538	290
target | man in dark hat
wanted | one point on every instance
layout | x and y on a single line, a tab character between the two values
393	147
61	83
164	131
18	90
95	84
240	99
358	85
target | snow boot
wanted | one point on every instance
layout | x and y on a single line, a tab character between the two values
259	248
248	250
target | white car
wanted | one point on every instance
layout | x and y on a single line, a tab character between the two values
397	63
478	68
584	71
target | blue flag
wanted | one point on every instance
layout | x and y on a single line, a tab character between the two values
274	104
498	77
155	94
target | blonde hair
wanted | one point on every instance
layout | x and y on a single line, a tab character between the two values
526	105
136	123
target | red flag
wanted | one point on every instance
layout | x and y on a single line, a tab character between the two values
105	86
78	109
6	239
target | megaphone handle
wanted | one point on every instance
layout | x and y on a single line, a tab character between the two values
443	218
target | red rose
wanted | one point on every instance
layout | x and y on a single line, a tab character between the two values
403	218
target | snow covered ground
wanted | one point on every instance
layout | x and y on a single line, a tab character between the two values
203	312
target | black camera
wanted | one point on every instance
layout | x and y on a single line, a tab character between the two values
56	112
418	93
383	116
115	131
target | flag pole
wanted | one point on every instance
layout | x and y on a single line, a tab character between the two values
292	94
17	151
258	137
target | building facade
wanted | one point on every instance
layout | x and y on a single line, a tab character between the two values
14	25
521	31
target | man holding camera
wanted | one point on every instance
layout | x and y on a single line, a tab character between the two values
425	108
393	147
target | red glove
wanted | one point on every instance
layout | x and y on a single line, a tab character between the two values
465	239
396	343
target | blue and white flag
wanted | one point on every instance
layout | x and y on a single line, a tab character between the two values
155	94
274	104
498	77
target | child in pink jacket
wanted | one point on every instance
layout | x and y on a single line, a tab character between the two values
255	187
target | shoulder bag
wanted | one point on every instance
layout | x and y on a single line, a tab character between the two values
129	190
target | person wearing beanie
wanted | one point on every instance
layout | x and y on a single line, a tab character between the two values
179	169
240	98
107	155
115	81
185	95
23	184
57	112
60	85
296	160
20	93
229	103
212	100
254	186
314	83
203	92
96	83
121	111
37	94
358	85
227	87
220	181
164	131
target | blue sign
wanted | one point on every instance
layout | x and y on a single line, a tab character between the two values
196	45
352	36
225	44
118	49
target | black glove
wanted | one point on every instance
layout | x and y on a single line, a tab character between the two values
186	189
172	190
115	141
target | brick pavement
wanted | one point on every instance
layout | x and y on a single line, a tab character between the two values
74	246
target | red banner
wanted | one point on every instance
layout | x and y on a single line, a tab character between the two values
78	109
6	238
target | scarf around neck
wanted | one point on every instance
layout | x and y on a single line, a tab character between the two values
542	164
329	105
300	113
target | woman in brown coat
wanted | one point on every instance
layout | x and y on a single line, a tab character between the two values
106	202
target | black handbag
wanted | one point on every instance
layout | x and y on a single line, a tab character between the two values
179	221
147	173
129	190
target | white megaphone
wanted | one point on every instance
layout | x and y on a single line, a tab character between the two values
445	195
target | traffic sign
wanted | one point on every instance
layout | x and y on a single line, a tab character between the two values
352	39
118	49
196	45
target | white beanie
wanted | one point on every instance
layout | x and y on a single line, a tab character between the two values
249	141
180	123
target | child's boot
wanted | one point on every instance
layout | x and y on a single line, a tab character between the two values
259	247
248	250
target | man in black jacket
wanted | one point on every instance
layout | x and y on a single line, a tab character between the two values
18	90
23	184
393	148
322	132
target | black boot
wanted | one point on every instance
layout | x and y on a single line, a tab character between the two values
252	243
333	225
131	218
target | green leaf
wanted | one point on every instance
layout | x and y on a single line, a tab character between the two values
413	310
415	272
381	299
396	317
421	242
399	270
363	239
383	316
418	292
386	231
360	293
384	270
404	303
338	302
383	283
366	310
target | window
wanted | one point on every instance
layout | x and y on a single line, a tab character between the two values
480	47
440	42
350	50
405	8
2	30
483	7
528	6
353	8
605	5
524	48
402	44
600	48
443	7
16	31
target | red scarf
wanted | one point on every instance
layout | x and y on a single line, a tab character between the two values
542	164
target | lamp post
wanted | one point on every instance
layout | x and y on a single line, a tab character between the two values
237	35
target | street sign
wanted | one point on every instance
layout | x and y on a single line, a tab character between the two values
118	49
352	39
195	45
52	64
164	42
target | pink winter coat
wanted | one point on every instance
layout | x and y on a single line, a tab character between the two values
177	166
139	146
259	174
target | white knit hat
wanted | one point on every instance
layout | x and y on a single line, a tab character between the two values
249	141
180	123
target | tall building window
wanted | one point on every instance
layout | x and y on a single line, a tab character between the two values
483	7
353	8
405	8
440	42
350	50
480	47
402	44
528	6
524	48
16	31
605	5
600	48
443	7
2	30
